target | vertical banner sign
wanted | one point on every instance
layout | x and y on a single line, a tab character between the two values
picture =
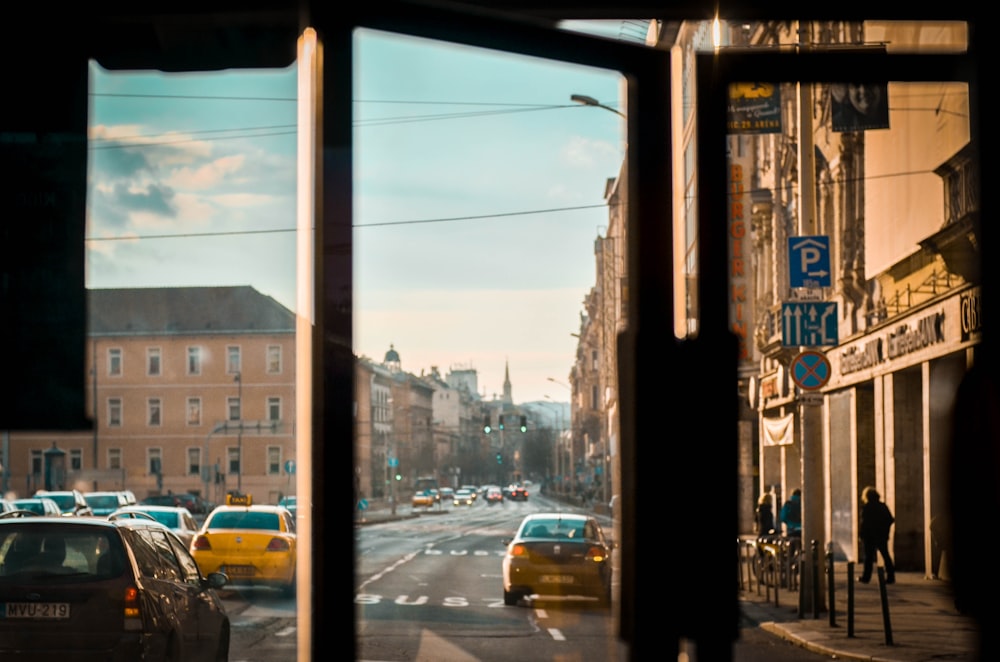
859	106
754	108
740	312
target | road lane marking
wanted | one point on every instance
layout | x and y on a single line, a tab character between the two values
556	634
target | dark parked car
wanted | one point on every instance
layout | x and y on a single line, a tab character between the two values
516	492
86	588
557	554
194	503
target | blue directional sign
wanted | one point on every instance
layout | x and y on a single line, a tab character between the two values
809	323
809	261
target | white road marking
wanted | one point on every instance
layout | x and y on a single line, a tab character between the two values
556	634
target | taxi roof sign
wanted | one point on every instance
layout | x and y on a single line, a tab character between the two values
239	500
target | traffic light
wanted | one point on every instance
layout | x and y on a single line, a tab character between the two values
501	422
499	458
399	476
486	424
524	424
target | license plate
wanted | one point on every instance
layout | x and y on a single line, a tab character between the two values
239	570
556	579
39	610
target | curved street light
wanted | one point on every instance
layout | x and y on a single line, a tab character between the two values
591	101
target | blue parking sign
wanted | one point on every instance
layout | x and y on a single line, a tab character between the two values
809	261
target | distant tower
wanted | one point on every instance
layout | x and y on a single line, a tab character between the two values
391	360
507	398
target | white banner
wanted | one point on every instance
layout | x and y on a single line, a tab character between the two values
778	431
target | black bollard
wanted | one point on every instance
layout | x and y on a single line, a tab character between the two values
886	623
830	583
850	598
814	553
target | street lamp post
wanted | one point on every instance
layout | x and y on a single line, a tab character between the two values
239	432
206	471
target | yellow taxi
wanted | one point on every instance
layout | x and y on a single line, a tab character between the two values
254	545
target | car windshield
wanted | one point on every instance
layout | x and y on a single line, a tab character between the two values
244	519
34	506
58	554
166	517
64	501
553	528
103	501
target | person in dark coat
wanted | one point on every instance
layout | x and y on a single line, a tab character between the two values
791	514
765	515
876	519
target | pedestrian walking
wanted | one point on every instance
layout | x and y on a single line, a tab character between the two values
765	515
876	519
791	514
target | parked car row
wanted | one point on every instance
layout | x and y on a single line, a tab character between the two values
140	583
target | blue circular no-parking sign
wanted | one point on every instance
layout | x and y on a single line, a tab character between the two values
811	370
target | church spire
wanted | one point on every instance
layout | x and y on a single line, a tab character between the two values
506	384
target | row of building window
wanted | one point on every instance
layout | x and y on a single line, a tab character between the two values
154	411
154	360
154	460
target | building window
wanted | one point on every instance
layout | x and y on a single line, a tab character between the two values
153	407
115	458
114	412
76	460
153	361
234	408
115	362
194	462
194	411
274	409
593	360
594	399
233	454
194	360
154	460
274	359
36	462
232	360
273	460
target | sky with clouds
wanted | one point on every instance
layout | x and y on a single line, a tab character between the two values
478	197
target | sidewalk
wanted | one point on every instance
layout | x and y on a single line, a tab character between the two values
923	624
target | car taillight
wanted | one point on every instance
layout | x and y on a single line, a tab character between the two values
201	542
518	550
133	613
278	545
595	554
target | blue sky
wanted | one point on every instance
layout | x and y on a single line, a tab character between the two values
478	196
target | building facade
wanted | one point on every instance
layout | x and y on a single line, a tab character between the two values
190	389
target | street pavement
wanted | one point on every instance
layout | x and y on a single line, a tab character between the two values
918	622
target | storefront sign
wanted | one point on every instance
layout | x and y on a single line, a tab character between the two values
898	341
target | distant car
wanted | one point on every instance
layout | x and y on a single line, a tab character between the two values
557	554
463	497
176	518
194	503
425	498
473	489
446	494
104	503
516	492
38	505
253	545
494	495
289	502
70	502
86	588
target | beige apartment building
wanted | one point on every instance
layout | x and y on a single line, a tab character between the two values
191	389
